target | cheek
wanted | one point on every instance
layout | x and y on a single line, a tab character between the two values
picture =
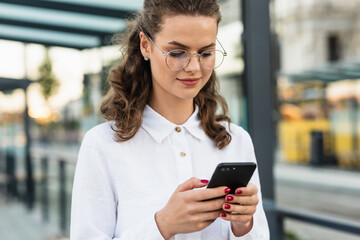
160	70
164	74
162	66
207	75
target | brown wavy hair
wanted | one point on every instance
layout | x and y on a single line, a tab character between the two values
131	82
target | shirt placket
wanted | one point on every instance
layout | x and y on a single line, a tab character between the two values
180	146
182	154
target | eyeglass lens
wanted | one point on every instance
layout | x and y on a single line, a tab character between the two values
179	59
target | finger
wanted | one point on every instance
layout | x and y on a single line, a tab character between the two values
208	206
206	216
191	184
239	209
211	193
239	218
242	200
249	190
201	225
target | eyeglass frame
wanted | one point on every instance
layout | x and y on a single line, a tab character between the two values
190	54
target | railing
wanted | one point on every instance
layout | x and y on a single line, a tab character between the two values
53	176
281	213
58	165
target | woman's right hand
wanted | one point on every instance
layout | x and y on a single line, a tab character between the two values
186	210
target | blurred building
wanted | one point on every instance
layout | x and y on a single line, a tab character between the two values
314	33
318	80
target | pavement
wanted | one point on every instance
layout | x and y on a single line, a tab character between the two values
16	222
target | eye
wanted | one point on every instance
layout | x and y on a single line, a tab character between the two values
207	53
177	53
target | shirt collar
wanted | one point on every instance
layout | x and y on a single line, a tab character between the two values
193	125
159	127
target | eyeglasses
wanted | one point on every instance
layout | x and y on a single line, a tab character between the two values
178	59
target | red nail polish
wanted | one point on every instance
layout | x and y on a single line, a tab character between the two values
238	192
223	215
227	190
204	181
227	206
229	198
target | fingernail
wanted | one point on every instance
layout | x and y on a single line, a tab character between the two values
204	181
238	192
227	190
227	206
223	215
229	198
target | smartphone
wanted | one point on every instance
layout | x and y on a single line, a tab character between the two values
232	175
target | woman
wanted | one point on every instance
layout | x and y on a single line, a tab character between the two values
143	174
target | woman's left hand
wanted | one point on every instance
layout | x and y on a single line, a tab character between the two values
240	208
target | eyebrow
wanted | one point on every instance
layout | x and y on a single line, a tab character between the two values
184	46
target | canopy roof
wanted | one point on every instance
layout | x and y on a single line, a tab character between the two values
332	72
9	84
74	24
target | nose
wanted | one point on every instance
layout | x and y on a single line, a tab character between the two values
194	63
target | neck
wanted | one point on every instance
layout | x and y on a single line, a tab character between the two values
176	111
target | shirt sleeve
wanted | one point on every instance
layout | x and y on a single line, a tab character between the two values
260	229
94	200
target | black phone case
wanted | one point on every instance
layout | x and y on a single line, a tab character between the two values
232	175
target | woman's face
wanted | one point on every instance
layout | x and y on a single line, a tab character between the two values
194	34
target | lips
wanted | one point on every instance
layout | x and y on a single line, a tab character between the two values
189	81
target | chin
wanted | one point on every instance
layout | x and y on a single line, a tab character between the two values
188	96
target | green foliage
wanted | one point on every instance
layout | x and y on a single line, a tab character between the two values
289	235
86	96
47	80
72	124
104	84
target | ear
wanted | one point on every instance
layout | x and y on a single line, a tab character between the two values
145	45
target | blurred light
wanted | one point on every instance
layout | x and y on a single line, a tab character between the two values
341	90
42	114
290	112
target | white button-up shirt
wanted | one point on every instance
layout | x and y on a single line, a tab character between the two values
119	186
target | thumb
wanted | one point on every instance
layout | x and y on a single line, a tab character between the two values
191	184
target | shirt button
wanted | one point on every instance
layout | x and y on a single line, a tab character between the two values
182	154
178	129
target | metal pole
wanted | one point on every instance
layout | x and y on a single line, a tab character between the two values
44	188
30	188
62	195
11	181
258	91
